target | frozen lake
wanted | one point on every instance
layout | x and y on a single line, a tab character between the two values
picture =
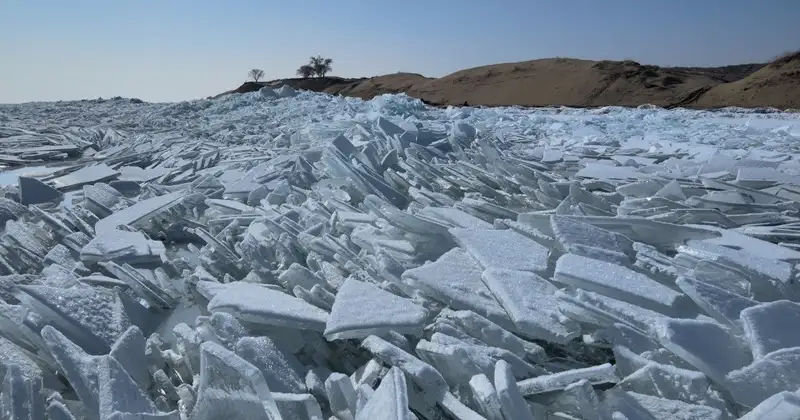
285	255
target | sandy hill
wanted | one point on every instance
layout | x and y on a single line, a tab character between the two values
580	83
775	85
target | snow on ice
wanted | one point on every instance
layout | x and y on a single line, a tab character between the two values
291	255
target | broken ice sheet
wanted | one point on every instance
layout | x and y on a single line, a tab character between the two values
770	278
720	304
92	317
276	209
640	406
455	217
783	405
455	280
667	381
770	374
771	326
21	395
620	283
530	302
423	374
123	247
86	175
33	191
297	406
512	403
120	396
390	400
280	370
600	374
502	249
573	233
231	388
705	345
79	368
139	211
260	305
362	309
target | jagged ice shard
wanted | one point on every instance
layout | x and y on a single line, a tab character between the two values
291	255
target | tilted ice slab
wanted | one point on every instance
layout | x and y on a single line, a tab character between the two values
530	302
138	211
313	256
618	282
362	309
260	305
502	249
455	280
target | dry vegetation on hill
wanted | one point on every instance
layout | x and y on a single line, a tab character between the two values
775	85
581	83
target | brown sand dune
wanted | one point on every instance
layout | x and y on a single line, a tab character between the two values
580	83
560	81
775	85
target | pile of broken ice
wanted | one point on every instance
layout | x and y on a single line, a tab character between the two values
285	255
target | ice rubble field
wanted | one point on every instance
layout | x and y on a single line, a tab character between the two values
285	255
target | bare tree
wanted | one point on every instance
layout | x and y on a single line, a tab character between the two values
305	71
320	65
256	74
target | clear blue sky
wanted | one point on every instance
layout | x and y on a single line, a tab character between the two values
169	50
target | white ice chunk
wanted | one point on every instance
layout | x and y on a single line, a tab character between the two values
138	211
390	400
21	397
33	191
92	317
757	247
640	406
231	388
781	406
586	400
704	345
770	277
720	304
672	191
79	368
458	362
511	400
423	374
672	383
490	333
572	233
280	369
761	177
362	309
455	217
775	372
596	375
260	305
86	175
129	351
341	395
771	326
531	304
502	249
120	397
485	397
632	338
297	275
455	280
603	311
123	247
618	282
297	406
